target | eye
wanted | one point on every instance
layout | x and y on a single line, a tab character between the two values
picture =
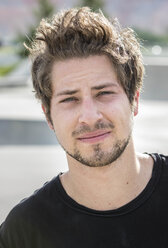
69	99
102	93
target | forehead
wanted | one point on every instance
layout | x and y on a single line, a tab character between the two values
82	71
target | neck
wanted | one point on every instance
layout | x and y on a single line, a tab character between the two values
110	186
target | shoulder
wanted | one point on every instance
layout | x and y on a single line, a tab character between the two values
26	215
160	167
146	160
160	159
164	158
164	163
154	163
152	157
46	194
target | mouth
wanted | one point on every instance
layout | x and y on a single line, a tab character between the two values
94	137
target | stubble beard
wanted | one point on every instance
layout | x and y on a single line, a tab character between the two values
100	158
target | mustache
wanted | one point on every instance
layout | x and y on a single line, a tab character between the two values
87	129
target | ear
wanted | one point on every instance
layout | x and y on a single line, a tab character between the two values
136	103
49	122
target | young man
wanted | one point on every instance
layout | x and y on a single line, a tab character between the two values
88	73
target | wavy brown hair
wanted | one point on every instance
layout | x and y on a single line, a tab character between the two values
81	33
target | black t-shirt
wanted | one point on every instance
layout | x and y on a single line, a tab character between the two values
51	219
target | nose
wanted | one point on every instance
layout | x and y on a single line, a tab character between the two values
89	112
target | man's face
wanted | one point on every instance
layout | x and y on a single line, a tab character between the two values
90	111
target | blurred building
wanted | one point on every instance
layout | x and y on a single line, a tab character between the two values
144	14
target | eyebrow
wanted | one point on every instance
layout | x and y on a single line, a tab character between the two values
99	87
67	92
102	86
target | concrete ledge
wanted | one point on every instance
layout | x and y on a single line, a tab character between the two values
159	61
11	81
24	132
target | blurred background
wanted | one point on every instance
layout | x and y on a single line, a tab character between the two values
29	152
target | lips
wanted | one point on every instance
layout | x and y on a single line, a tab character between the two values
94	136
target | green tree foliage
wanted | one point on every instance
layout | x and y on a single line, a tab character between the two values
44	9
149	39
95	5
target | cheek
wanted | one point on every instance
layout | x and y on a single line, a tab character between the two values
63	123
120	114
